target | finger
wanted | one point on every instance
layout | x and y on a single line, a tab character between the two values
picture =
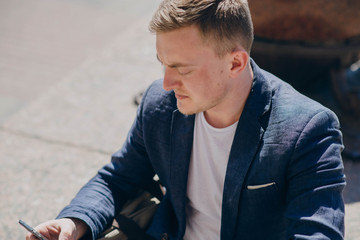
29	236
47	229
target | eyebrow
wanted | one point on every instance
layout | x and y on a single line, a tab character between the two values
174	65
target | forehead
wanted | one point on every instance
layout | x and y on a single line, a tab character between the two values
180	37
186	42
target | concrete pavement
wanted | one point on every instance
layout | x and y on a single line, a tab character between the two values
68	74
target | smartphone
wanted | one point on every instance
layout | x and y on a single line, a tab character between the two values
32	230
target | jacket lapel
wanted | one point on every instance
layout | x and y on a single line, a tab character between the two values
246	142
181	147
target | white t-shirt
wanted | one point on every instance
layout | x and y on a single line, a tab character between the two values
209	158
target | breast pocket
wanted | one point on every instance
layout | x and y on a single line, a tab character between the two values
261	212
261	198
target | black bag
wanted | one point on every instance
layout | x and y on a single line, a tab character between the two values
135	216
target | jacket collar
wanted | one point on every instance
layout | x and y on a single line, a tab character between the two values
182	132
248	136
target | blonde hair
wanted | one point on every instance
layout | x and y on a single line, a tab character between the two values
224	23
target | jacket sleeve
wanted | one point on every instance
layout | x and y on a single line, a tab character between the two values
315	207
100	199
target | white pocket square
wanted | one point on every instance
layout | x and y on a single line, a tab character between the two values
254	187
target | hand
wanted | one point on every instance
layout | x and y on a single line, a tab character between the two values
62	229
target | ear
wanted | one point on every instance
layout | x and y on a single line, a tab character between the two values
239	60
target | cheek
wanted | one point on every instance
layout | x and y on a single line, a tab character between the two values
215	80
206	82
202	82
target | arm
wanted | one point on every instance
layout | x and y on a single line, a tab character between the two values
315	207
101	198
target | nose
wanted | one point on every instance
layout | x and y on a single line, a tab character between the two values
171	80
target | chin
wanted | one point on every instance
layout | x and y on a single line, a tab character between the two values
186	110
190	108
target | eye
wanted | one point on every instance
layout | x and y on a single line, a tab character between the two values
184	70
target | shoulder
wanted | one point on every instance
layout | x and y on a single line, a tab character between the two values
293	107
292	116
284	103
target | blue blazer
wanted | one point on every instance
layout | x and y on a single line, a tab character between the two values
284	177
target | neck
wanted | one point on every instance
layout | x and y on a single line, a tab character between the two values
230	110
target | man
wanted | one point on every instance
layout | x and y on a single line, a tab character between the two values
241	154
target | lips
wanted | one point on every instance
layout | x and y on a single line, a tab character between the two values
180	96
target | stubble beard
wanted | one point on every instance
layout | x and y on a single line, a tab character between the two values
194	109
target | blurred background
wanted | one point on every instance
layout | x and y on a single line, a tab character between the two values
70	70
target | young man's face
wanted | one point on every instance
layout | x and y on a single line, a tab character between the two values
199	78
